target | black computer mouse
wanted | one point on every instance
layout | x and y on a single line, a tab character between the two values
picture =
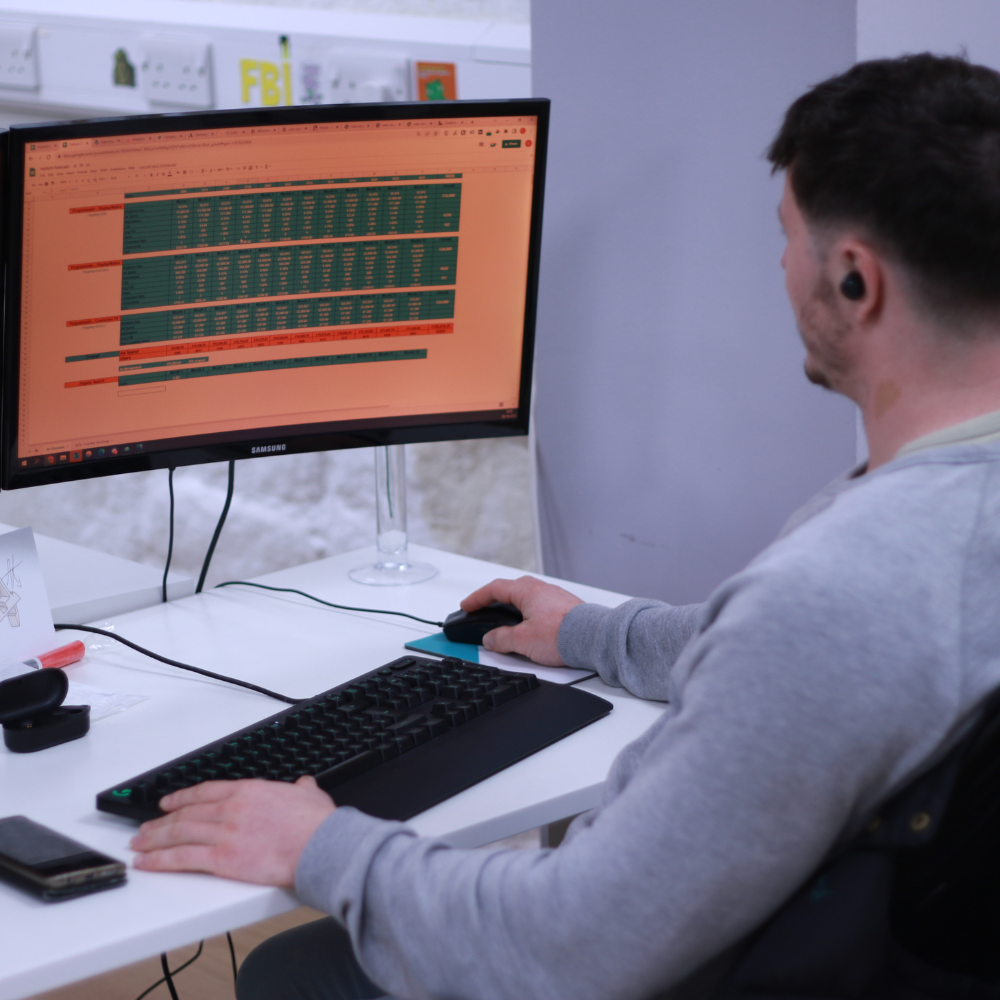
471	626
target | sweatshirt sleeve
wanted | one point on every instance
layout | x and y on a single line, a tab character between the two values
784	734
632	646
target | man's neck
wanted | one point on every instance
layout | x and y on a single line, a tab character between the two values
909	397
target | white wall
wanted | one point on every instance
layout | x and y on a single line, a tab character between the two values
889	28
510	11
675	430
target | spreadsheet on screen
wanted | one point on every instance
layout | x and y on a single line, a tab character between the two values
219	280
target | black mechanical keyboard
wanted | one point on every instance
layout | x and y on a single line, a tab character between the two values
392	742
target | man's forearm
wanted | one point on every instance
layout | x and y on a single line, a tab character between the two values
632	646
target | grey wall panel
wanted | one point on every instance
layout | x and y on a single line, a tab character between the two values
675	429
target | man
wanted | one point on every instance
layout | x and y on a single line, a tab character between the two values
809	688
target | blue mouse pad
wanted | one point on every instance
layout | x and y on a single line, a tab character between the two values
438	645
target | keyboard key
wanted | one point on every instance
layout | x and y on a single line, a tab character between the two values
437	726
353	707
502	694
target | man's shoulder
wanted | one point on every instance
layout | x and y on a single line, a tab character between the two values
925	502
897	544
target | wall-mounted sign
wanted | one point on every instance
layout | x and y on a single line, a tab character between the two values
436	81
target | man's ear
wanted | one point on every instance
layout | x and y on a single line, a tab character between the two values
856	271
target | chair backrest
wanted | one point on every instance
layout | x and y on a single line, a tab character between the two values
909	910
946	893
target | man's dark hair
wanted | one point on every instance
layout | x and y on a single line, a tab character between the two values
909	150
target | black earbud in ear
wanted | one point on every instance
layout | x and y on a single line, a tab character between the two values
853	286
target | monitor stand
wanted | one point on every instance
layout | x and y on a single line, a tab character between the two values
392	567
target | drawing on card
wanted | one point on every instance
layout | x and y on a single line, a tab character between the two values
9	596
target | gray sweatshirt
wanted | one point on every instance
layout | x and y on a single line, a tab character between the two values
809	687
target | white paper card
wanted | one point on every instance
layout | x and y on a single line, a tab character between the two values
512	662
25	616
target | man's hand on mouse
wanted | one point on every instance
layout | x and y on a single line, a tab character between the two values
249	830
543	605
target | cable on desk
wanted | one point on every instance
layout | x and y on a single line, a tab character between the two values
180	968
329	604
170	541
176	663
232	958
218	528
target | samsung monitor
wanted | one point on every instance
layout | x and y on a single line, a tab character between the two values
202	287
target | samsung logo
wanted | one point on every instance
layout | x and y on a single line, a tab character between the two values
267	449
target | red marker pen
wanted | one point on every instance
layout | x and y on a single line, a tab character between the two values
61	657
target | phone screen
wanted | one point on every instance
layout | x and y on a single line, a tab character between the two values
43	851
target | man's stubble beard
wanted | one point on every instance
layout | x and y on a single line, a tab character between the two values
823	330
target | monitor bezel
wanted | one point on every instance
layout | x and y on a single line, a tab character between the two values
283	440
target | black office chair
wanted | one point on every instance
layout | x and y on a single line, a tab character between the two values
910	910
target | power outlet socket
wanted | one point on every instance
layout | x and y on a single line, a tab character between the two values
178	73
18	57
356	78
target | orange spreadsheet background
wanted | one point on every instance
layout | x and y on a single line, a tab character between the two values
178	284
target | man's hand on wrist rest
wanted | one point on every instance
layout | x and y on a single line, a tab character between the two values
250	830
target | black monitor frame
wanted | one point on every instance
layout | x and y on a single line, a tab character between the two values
288	439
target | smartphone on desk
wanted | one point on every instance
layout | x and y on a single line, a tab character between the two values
51	866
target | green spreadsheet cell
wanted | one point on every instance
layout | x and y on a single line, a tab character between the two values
260	272
279	216
92	357
277	364
291	314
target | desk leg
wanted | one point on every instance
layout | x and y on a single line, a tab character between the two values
553	833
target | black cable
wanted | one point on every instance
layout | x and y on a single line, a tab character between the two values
168	978
180	968
218	528
176	663
232	958
170	542
329	604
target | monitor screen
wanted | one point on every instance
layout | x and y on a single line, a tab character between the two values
200	287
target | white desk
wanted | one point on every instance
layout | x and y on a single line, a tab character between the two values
88	586
295	647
